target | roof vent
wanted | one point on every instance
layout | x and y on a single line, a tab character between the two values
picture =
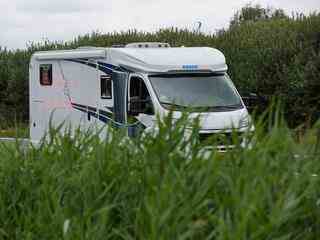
148	45
88	48
118	46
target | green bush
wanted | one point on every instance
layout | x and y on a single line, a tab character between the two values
155	187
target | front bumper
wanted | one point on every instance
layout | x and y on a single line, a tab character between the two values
223	141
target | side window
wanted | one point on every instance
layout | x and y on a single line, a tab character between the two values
46	74
106	87
139	98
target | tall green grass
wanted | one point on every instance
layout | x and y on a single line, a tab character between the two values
162	187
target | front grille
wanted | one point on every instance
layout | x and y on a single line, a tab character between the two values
221	139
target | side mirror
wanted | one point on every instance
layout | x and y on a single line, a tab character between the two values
251	100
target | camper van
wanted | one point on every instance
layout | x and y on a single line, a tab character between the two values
129	86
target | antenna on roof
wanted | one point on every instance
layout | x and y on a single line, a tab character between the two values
199	27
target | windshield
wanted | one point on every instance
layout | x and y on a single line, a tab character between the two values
210	91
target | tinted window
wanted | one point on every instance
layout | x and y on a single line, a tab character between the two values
106	87
46	74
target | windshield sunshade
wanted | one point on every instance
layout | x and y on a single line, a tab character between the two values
210	91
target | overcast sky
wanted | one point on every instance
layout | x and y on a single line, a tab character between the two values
34	20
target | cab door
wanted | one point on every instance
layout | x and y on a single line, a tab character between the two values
141	113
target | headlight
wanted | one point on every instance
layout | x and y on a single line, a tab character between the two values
244	121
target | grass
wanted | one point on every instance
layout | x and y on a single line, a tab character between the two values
162	187
5	145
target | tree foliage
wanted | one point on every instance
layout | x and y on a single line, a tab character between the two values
250	13
267	53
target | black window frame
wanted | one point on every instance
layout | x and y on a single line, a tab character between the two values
50	78
142	84
106	79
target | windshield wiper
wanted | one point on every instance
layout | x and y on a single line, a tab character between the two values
173	104
204	108
227	107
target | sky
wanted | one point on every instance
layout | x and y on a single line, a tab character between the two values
23	21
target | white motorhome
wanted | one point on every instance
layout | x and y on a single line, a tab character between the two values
128	86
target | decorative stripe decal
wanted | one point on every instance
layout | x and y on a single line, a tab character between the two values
110	66
105	113
134	130
103	116
104	67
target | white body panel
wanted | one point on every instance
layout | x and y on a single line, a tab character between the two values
169	59
72	83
